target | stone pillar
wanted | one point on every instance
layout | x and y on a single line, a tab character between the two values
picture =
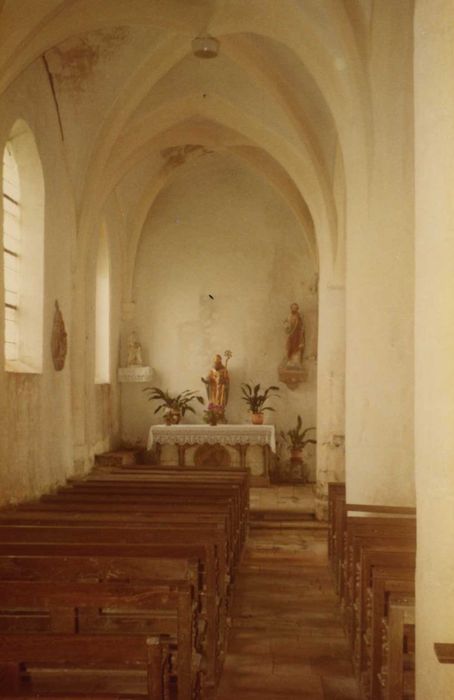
330	393
434	339
380	278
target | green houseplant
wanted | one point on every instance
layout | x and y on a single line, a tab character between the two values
296	439
174	407
256	398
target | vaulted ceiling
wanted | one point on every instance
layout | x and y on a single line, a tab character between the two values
287	96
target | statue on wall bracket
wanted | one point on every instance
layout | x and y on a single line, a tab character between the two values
291	370
59	340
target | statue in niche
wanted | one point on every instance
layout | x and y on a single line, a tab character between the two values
217	382
134	351
291	370
294	327
59	340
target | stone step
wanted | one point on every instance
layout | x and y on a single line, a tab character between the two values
282	519
290	525
281	514
117	458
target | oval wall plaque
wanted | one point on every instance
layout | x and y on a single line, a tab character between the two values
59	339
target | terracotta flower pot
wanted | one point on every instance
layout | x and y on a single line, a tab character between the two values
296	455
257	418
172	417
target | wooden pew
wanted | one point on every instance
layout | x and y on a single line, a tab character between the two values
373	552
386	581
211	644
362	532
63	517
402	558
111	511
336	527
398	672
138	532
144	493
146	500
177	477
88	651
444	652
177	616
66	647
378	542
150	495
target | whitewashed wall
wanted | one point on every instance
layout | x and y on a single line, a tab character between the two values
219	229
39	447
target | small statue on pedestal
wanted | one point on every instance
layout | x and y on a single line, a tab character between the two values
134	351
217	382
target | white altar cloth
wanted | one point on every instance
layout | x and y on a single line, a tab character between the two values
212	434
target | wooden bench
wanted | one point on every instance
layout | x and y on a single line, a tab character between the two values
211	605
176	475
59	517
444	652
336	528
66	647
148	499
134	519
174	613
386	581
110	518
145	494
398	671
403	557
363	532
377	561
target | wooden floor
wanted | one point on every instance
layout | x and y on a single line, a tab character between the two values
286	639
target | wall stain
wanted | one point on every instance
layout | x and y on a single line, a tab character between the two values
72	62
178	155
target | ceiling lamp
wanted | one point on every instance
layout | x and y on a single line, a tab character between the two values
205	47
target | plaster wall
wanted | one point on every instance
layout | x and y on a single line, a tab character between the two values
219	229
434	335
331	362
380	279
96	405
35	409
39	446
331	393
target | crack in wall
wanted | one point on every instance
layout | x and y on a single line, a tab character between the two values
54	94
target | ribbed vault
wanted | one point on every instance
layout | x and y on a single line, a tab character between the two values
288	93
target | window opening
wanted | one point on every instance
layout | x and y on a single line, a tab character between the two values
11	252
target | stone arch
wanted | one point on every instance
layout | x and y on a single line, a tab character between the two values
260	162
224	115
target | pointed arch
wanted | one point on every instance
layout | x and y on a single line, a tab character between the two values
23	251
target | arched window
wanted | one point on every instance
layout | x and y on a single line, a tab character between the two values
11	251
23	251
102	335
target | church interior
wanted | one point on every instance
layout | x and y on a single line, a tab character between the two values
203	199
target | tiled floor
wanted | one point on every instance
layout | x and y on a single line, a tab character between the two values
286	640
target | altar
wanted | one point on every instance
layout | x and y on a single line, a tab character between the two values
250	446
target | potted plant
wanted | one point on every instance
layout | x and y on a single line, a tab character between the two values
174	406
296	440
256	398
214	414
